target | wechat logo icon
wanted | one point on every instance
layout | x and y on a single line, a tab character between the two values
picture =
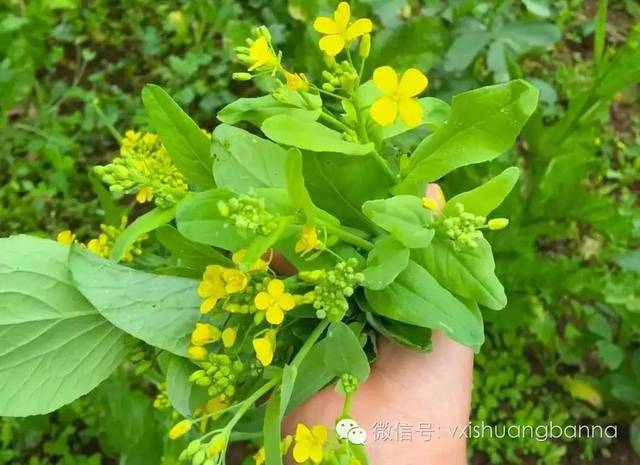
348	429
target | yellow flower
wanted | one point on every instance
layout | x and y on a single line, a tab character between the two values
398	96
259	456
261	55
145	194
180	429
296	81
275	301
434	199
66	237
265	347
285	444
212	287
216	445
309	240
100	246
259	265
309	443
197	353
204	334
229	336
235	281
339	31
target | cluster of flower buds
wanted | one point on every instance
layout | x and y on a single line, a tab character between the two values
339	75
462	228
199	453
161	402
333	287
144	167
219	375
349	383
248	214
142	358
102	245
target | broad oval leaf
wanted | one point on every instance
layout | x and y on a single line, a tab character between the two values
385	262
313	136
416	298
184	395
346	354
256	110
160	310
469	273
142	225
244	161
485	198
483	124
55	346
404	217
185	142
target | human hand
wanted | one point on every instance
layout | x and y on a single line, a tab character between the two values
407	388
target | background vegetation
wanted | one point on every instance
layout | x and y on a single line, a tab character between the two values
567	349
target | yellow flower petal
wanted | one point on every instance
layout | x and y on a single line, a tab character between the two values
342	15
66	237
320	433
286	301
264	350
384	111
275	288
301	452
275	315
325	25
332	44
180	429
360	27
207	305
302	432
386	79
229	336
413	82
411	112
197	353
316	453
263	300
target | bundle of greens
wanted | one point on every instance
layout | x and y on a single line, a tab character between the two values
275	255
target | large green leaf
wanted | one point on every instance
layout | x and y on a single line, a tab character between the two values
404	217
184	395
416	298
55	345
187	252
485	198
271	430
199	220
310	135
185	142
244	161
347	355
385	262
483	124
468	272
160	310
256	110
340	185
465	49
298	194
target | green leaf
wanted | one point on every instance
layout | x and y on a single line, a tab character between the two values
313	374
483	124
330	181
160	310
199	220
289	375
469	273
313	136
485	198
346	355
404	217
599	325
416	298
185	142
385	262
413	337
256	110
298	194
244	161
271	431
189	253
142	225
612	354
465	49
55	346
184	395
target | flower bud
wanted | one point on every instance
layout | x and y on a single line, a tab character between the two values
242	76
180	429
498	223
365	46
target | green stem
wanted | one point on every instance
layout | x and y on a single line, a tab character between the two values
249	401
348	402
347	237
331	119
385	166
308	344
